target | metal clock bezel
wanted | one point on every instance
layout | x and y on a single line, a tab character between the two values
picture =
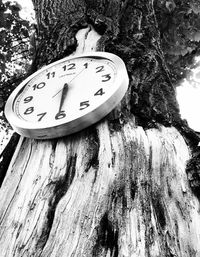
34	130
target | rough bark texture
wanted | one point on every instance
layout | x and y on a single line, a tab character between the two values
6	155
101	193
118	188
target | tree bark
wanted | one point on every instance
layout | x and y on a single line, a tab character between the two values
119	187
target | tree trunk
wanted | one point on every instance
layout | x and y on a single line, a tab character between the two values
119	187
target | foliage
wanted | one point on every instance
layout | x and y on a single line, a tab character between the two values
15	48
179	25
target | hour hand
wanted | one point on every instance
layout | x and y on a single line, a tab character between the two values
63	95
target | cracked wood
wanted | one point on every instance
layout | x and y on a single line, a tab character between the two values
116	188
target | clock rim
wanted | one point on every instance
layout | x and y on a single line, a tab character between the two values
45	131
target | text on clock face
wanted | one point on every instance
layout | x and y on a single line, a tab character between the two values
89	82
68	95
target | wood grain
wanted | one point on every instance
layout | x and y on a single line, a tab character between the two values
116	188
130	201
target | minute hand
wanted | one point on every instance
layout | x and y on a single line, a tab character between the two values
63	96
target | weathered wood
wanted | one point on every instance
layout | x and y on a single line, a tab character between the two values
116	188
117	194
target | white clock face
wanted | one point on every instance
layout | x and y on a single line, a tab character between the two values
87	82
66	96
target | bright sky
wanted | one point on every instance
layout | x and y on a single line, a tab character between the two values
27	11
188	96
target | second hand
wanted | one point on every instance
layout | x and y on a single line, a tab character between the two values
70	81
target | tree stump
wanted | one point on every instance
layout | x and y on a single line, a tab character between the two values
119	187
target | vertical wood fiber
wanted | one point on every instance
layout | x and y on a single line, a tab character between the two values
118	188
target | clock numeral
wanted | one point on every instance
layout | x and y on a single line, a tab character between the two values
99	69
28	99
51	75
60	115
70	66
100	92
107	77
41	115
84	105
86	65
39	86
29	110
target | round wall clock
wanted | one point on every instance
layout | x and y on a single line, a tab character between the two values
67	95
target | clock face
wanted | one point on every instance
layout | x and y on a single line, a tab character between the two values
68	95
